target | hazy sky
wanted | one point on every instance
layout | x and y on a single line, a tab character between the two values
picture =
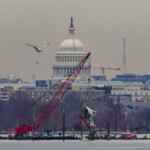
100	26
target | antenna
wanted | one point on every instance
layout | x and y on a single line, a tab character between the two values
37	70
124	56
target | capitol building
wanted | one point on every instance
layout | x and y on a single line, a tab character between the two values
69	55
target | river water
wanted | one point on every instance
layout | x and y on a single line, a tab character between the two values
76	145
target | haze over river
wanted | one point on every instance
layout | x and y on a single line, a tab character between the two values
76	145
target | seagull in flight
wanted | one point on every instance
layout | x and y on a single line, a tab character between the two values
37	48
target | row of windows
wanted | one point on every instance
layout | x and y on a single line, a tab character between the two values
72	48
69	59
141	93
67	71
129	89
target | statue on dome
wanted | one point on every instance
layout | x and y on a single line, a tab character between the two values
71	23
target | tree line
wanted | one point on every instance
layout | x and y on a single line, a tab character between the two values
107	112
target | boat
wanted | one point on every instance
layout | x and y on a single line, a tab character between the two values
128	135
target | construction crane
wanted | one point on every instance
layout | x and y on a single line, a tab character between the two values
103	70
58	96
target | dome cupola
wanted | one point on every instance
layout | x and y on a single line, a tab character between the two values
71	43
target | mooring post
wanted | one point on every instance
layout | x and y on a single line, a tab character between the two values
63	121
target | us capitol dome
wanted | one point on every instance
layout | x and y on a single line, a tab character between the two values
69	55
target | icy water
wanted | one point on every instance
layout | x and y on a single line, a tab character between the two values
76	145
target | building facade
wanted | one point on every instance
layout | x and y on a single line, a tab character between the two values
5	93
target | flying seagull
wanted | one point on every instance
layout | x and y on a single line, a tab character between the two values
37	48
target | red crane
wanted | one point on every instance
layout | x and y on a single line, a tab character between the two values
58	96
84	120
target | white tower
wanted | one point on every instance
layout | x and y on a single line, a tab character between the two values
70	53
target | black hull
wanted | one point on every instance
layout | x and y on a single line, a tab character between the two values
45	138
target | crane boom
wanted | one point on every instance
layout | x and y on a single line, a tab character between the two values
21	118
58	96
82	118
103	70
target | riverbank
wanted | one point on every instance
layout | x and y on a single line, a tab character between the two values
70	136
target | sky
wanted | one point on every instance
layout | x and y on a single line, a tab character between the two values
100	25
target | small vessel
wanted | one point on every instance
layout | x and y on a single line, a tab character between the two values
128	135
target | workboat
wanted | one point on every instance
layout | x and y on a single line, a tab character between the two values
128	135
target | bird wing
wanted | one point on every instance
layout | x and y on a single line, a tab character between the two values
30	45
35	47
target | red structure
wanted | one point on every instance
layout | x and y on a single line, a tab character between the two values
81	118
58	96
